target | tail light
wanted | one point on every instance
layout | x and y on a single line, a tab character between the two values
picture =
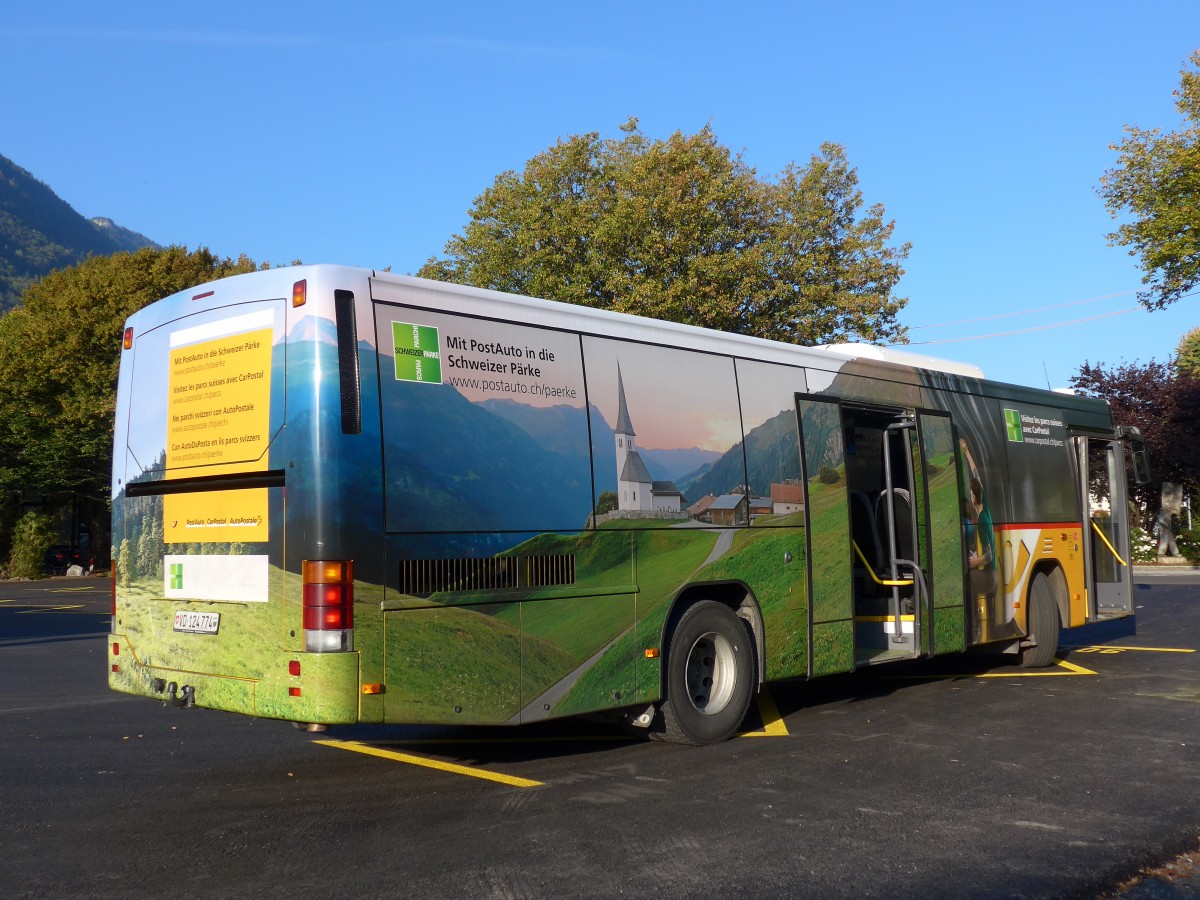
328	605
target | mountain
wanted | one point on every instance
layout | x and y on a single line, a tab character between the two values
122	238
677	465
40	232
771	455
490	475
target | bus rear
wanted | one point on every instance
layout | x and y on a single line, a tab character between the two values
216	601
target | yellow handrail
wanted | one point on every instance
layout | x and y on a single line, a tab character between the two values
874	577
1111	548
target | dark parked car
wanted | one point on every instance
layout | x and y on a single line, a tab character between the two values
60	557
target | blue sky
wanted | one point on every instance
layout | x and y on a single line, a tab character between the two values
360	133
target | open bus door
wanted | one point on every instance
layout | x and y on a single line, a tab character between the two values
883	511
1107	557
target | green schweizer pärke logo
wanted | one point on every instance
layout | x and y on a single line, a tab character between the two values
177	576
1012	424
418	353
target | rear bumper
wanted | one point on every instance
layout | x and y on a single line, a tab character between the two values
326	691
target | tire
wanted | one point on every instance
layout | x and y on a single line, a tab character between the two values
710	676
1042	624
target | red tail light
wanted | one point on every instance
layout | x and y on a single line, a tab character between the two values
328	605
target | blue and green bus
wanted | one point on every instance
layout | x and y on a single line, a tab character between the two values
345	496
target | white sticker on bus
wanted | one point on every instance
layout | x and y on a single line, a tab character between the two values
242	579
223	328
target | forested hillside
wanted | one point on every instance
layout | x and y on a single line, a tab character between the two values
40	232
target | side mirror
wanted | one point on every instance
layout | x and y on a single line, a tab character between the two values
1141	465
1140	458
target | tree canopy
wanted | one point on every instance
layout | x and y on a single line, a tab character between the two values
1187	353
1156	184
682	229
59	355
1160	399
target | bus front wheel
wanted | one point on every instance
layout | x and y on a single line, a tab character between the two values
710	676
1042	624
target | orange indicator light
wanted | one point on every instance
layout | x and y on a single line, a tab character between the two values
373	688
651	653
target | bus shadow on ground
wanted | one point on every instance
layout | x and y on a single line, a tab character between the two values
24	623
882	681
482	745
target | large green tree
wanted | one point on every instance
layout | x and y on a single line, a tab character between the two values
1161	400
682	229
59	354
1187	353
1156	186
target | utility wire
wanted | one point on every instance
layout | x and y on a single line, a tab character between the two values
1022	312
980	337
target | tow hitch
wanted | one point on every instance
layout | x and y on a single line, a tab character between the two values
172	691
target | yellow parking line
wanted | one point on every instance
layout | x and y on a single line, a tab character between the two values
41	609
1068	669
773	725
358	747
1071	669
1117	648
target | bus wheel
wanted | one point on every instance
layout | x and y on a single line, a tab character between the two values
710	676
1043	624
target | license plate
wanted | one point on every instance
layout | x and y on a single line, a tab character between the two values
197	622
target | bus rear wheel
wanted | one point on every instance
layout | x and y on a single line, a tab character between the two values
710	676
1042	624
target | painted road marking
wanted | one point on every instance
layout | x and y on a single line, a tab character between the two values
1118	648
773	725
358	747
1062	668
1070	669
41	609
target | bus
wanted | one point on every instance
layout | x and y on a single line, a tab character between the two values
347	496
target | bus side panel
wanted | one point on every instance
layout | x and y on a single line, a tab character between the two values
563	641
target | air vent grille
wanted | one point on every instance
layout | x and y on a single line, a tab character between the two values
422	577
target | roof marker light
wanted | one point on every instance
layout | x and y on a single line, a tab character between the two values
127	340
300	292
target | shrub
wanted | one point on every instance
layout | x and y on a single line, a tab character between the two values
1145	547
32	536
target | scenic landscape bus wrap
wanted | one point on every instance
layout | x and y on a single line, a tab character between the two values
344	496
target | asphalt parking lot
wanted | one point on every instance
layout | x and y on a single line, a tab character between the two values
960	776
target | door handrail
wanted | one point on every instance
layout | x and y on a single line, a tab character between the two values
1111	548
887	582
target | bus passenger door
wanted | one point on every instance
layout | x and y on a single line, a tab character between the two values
1108	573
827	516
939	491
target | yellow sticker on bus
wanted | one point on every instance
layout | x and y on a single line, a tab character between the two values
218	417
